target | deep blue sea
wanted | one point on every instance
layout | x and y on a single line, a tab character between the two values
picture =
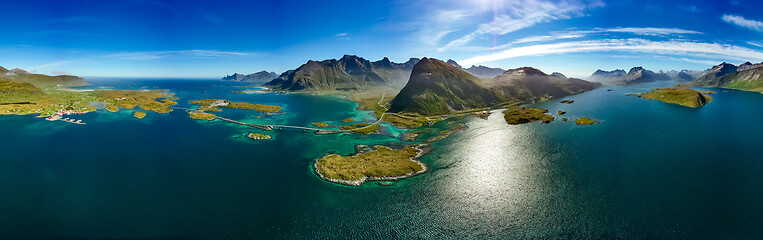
648	170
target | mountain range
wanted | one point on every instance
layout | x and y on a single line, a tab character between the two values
40	80
436	87
348	73
261	76
747	76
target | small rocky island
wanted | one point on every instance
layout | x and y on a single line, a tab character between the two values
258	136
585	121
215	104
676	95
139	115
520	115
381	163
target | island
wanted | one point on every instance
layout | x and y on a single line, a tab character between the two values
567	101
214	104
379	164
201	115
521	115
348	120
584	121
561	112
446	133
320	124
362	128
678	95
258	136
139	115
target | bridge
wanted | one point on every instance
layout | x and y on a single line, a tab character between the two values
303	129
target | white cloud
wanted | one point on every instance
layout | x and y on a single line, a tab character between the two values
755	44
149	55
522	14
673	47
743	22
583	33
341	34
651	31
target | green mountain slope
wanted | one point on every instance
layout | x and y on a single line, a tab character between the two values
40	80
348	73
436	87
725	75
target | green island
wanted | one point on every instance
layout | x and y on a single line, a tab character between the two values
380	164
348	120
561	112
446	133
214	104
362	128
413	135
258	136
139	115
21	98
320	124
567	101
677	95
584	121
201	115
521	115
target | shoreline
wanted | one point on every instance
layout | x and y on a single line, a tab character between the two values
357	183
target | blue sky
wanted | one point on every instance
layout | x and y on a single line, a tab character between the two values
208	39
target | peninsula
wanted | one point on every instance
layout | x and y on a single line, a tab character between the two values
676	95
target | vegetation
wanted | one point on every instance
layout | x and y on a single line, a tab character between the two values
362	128
746	80
584	121
520	115
258	136
41	81
382	163
153	100
213	104
446	133
438	88
561	112
320	124
139	115
201	115
24	98
112	108
348	120
681	96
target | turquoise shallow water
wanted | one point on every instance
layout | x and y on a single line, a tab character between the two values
648	170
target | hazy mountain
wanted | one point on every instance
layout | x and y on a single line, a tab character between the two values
635	76
436	87
348	73
479	71
40	80
607	76
558	74
748	77
262	76
484	72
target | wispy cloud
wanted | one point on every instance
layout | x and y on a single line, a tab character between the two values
760	45
522	14
341	34
674	47
743	22
692	8
559	35
149	55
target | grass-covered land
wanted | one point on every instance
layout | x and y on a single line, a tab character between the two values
362	128
40	80
112	108
25	98
153	100
214	104
382	163
348	120
139	115
201	115
584	121
258	136
681	96
520	115
320	124
446	133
